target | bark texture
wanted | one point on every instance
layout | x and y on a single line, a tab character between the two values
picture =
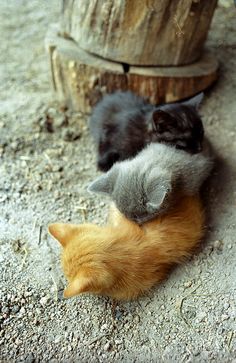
140	32
81	79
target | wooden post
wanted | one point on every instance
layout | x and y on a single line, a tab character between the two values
142	45
140	32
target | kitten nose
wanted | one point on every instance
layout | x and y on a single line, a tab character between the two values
103	165
199	147
106	161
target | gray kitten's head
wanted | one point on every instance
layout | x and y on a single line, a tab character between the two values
138	194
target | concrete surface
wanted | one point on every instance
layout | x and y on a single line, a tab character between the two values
189	318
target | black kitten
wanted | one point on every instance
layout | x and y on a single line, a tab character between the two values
123	123
179	125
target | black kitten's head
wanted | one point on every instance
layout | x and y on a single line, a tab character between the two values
180	125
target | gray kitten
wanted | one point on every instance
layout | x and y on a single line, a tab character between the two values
147	185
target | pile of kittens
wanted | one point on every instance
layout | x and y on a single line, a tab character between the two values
155	165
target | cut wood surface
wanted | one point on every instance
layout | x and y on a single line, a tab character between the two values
81	79
140	32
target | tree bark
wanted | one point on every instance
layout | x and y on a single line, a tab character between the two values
140	32
81	79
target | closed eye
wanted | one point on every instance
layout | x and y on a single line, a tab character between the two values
181	144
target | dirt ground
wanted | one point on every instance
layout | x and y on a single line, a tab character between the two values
46	161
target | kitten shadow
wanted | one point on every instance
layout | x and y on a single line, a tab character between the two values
214	192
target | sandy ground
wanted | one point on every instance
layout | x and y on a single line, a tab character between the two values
189	318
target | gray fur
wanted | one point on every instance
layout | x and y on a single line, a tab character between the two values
147	185
194	101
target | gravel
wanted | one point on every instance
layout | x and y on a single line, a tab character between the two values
47	159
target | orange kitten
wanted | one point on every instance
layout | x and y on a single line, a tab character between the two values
123	259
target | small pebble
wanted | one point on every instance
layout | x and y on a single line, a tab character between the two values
44	300
104	327
17	341
226	306
107	346
15	309
188	284
224	317
218	245
137	318
5	310
57	339
118	314
28	293
22	310
57	194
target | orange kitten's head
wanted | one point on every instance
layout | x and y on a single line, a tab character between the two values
83	257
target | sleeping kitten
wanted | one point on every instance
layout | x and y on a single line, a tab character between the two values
147	185
124	260
123	123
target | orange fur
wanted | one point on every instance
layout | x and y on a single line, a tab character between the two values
123	259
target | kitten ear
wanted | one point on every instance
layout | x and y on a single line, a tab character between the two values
61	232
103	184
161	120
158	188
77	286
157	199
100	185
194	101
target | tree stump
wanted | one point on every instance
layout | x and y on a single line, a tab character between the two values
140	32
81	78
151	47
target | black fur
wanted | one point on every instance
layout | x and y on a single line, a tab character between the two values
123	123
178	125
